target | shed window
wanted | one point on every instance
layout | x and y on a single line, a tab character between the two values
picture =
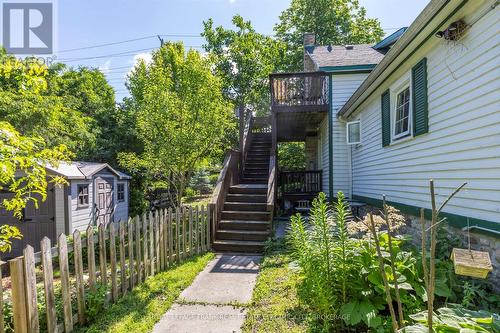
83	195
121	192
402	113
353	132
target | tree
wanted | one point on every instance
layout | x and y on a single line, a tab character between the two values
336	22
28	103
292	156
181	115
243	59
23	173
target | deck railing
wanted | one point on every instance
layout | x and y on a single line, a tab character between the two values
300	182
306	90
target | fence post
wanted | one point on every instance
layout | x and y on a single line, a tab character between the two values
177	235
138	248
157	240
197	229
170	227
209	229
151	244
190	243
102	254
162	240
80	284
123	269
48	282
30	287
131	263
203	231
91	256
145	245
18	295
184	233
2	323
62	246
112	255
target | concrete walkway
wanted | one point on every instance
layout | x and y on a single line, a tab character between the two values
215	302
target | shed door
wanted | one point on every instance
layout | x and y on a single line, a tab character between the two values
36	224
105	202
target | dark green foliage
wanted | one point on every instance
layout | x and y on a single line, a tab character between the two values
95	301
292	156
200	181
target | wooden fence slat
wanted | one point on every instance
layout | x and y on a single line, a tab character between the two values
30	288
112	255
80	283
208	227
102	254
184	233
165	239
131	263
2	323
197	229
18	295
123	268
202	228
62	245
48	283
190	243
145	245
170	238
151	243
157	239
138	249
91	256
162	240
177	235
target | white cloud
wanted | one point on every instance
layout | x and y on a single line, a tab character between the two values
146	57
232	1
105	67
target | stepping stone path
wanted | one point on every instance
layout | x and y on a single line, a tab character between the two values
216	301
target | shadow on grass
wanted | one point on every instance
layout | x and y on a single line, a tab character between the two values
140	309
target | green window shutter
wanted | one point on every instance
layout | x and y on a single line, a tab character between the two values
386	119
419	92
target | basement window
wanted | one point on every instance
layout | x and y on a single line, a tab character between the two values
354	132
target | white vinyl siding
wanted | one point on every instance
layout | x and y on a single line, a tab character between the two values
343	87
59	209
463	142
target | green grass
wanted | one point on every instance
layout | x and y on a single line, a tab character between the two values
275	305
139	310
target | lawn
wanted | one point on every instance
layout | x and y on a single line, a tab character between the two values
140	309
275	305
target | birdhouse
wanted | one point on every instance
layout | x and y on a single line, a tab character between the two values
471	263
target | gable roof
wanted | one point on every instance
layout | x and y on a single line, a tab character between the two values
335	56
84	170
424	26
390	40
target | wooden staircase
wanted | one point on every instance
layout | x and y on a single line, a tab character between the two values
245	220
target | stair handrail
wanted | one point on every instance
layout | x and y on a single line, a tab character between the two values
228	176
246	140
271	184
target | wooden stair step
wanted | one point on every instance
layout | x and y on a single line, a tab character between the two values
244	235
248	189
238	246
245	215
245	206
246	198
244	225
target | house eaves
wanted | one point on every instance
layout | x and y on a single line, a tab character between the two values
430	20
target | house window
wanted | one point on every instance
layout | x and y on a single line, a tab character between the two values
354	132
83	195
121	192
402	113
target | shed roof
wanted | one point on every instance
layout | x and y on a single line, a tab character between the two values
344	55
84	170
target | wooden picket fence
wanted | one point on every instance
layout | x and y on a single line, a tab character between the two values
134	249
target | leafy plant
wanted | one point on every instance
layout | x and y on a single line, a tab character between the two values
95	301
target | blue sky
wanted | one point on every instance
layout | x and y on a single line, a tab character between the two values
85	23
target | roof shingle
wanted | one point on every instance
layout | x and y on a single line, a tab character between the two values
361	54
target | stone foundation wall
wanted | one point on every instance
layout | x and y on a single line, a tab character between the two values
479	242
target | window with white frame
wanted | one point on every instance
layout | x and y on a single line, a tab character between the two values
121	192
353	132
83	195
401	109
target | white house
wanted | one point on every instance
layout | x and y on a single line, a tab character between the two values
427	109
95	193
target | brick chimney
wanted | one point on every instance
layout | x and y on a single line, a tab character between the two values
309	43
309	39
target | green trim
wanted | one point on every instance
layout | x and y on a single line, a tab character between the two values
457	221
351	69
414	50
330	137
420	108
386	118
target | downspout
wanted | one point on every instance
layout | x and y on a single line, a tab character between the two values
330	137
